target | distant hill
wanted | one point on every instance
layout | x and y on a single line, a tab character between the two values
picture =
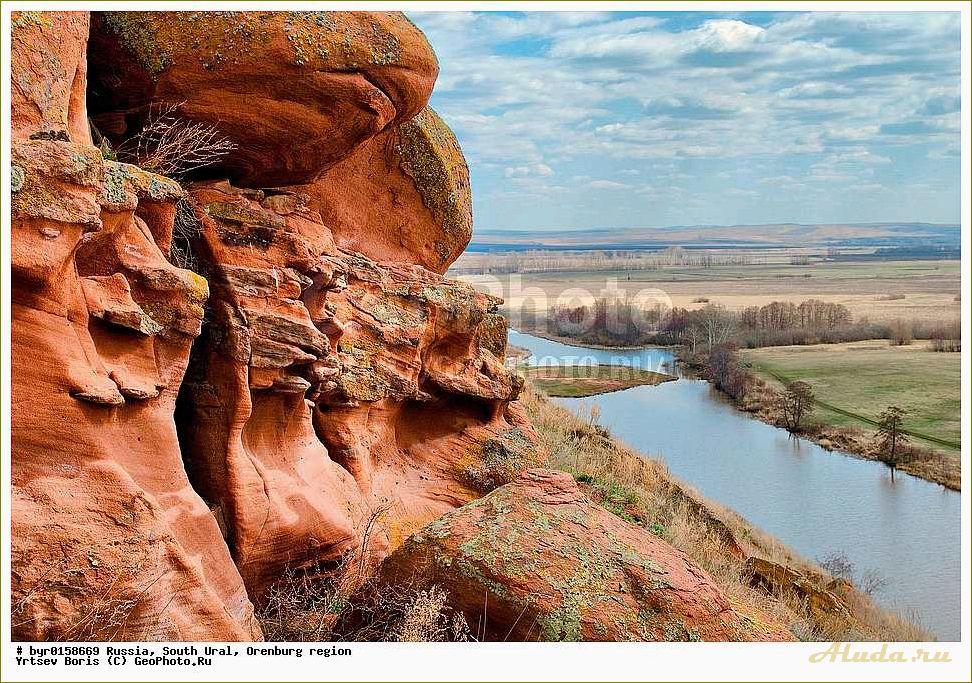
768	235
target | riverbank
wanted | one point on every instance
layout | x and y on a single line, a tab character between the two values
755	570
761	401
582	381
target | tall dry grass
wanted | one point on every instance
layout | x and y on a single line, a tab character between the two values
347	603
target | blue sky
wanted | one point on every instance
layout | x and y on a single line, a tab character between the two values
596	120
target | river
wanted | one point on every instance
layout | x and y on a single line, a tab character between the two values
906	529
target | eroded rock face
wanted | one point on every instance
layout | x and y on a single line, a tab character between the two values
210	385
296	91
335	386
109	539
536	560
48	70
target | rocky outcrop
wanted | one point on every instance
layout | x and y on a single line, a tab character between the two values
415	210
536	560
210	385
109	538
821	602
296	91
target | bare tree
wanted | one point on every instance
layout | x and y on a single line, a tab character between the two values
170	145
890	430
717	325
796	404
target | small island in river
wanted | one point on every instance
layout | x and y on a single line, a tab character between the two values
578	381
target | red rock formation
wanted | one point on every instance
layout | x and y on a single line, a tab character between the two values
536	560
296	91
327	386
109	539
414	209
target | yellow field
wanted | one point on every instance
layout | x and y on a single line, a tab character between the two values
879	291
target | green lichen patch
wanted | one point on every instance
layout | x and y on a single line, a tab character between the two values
243	214
492	334
23	20
125	185
58	181
501	459
431	156
16	178
334	41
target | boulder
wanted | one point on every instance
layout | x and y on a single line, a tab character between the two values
536	560
402	196
294	91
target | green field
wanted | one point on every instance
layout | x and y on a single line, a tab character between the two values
857	381
577	381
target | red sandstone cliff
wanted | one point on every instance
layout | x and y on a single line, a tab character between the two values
259	368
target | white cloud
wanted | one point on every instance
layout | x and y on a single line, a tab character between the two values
608	185
530	170
816	98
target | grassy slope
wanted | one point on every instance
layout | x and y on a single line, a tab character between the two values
641	491
863	378
582	380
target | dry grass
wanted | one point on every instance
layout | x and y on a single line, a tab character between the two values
924	291
346	603
642	491
300	608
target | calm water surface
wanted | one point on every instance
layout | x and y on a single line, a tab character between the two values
907	530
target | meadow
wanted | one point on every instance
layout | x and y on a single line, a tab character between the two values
858	380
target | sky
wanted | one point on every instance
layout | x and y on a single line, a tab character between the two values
592	120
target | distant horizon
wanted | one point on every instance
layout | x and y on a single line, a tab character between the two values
689	226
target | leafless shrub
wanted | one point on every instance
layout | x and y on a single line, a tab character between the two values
347	604
945	337
186	228
946	345
301	608
902	333
838	565
406	614
872	583
173	146
102	616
